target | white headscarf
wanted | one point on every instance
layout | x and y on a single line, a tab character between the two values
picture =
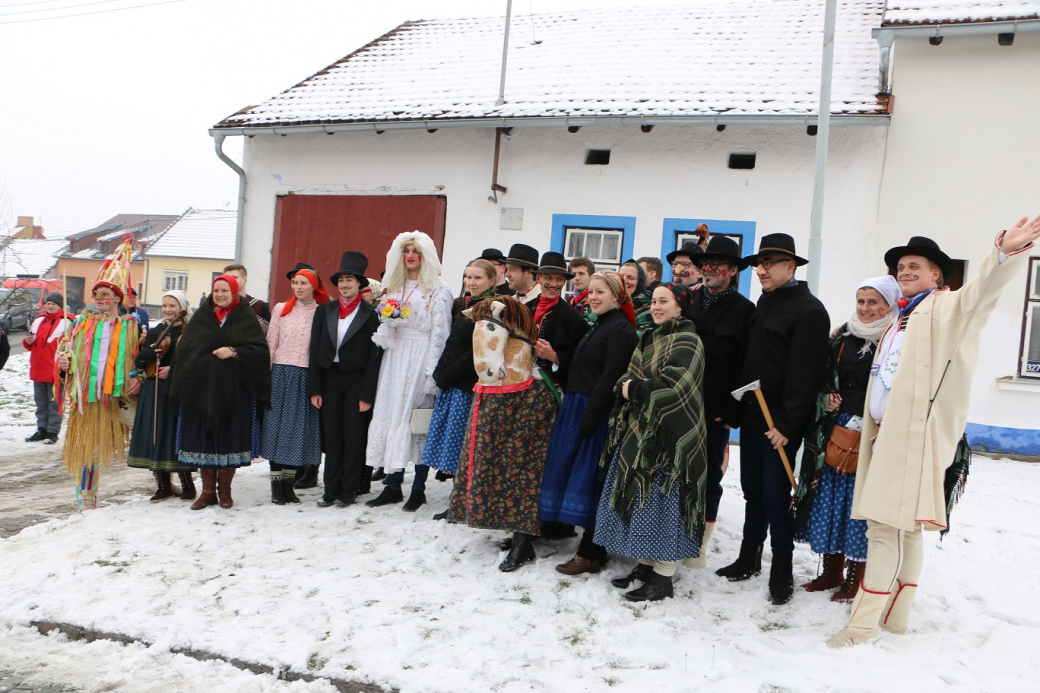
430	271
872	332
181	298
885	285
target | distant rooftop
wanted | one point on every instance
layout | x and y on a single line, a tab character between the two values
920	12
100	241
718	57
199	233
29	257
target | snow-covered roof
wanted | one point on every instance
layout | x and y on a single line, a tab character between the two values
731	57
909	12
30	256
99	242
200	233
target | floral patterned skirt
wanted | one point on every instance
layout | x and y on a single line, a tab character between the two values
499	479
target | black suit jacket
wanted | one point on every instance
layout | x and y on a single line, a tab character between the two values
563	327
357	352
724	330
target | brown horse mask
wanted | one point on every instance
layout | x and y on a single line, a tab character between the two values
502	341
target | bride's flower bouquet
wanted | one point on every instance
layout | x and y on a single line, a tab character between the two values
391	310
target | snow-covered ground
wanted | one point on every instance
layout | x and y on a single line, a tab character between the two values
398	600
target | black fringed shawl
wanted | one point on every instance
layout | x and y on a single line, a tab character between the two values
210	385
661	429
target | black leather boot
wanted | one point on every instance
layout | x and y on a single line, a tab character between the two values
40	434
277	492
748	563
521	552
307	478
378	474
387	497
656	588
288	482
640	572
416	499
781	578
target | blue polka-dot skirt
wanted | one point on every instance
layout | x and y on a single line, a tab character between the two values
831	529
451	412
291	433
570	486
656	531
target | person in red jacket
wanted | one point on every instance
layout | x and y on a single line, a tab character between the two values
42	343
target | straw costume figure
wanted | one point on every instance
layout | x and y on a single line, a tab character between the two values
94	383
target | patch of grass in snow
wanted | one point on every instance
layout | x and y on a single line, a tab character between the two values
575	638
371	602
526	598
119	566
427	633
561	585
773	625
316	663
412	608
611	681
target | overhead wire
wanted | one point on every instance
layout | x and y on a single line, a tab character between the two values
83	14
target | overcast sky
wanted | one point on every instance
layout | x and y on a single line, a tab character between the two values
108	113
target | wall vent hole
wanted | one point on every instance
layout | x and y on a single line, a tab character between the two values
745	160
597	157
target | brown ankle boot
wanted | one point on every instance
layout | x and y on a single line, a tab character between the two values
831	576
209	489
164	492
187	486
855	575
224	477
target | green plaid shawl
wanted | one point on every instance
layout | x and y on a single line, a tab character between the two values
661	430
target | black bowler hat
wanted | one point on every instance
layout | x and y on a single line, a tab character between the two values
689	250
352	263
773	243
299	266
722	248
554	263
522	256
492	255
925	247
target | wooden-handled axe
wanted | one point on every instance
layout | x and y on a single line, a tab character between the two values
756	387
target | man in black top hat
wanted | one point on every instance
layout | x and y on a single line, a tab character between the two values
916	411
560	325
496	258
723	318
684	271
521	263
786	352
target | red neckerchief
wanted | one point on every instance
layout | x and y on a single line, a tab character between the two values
347	307
579	300
628	311
544	306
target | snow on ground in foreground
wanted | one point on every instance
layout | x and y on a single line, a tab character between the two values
17	407
399	600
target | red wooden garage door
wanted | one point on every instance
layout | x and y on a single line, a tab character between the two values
316	229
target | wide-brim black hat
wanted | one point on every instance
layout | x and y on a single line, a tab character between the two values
775	243
723	248
688	249
554	263
299	266
522	256
925	247
492	255
353	263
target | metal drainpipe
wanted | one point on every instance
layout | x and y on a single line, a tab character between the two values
218	143
822	140
885	41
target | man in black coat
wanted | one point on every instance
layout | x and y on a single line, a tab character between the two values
723	318
786	352
560	326
342	378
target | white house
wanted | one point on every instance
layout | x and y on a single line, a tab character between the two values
616	132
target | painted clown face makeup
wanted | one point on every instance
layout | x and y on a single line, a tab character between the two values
916	274
552	284
412	257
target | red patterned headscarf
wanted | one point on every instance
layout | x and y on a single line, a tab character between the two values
222	313
616	283
321	294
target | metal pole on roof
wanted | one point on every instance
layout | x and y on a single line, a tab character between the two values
823	132
505	55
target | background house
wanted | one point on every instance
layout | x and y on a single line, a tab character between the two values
961	163
190	253
88	250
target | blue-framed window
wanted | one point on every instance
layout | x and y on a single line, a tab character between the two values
579	232
741	231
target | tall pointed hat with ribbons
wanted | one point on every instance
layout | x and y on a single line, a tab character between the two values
115	273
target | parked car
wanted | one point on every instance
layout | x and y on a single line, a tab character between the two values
17	309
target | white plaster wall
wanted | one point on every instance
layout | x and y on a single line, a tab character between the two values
962	161
678	171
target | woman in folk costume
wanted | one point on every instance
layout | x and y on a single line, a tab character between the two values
635	279
828	471
570	486
653	502
221	376
344	370
416	315
42	345
291	437
154	442
455	377
95	359
499	477
916	411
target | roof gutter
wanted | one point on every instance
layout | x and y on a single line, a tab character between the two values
218	143
886	36
798	119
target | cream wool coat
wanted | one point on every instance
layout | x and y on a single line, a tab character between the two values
899	478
